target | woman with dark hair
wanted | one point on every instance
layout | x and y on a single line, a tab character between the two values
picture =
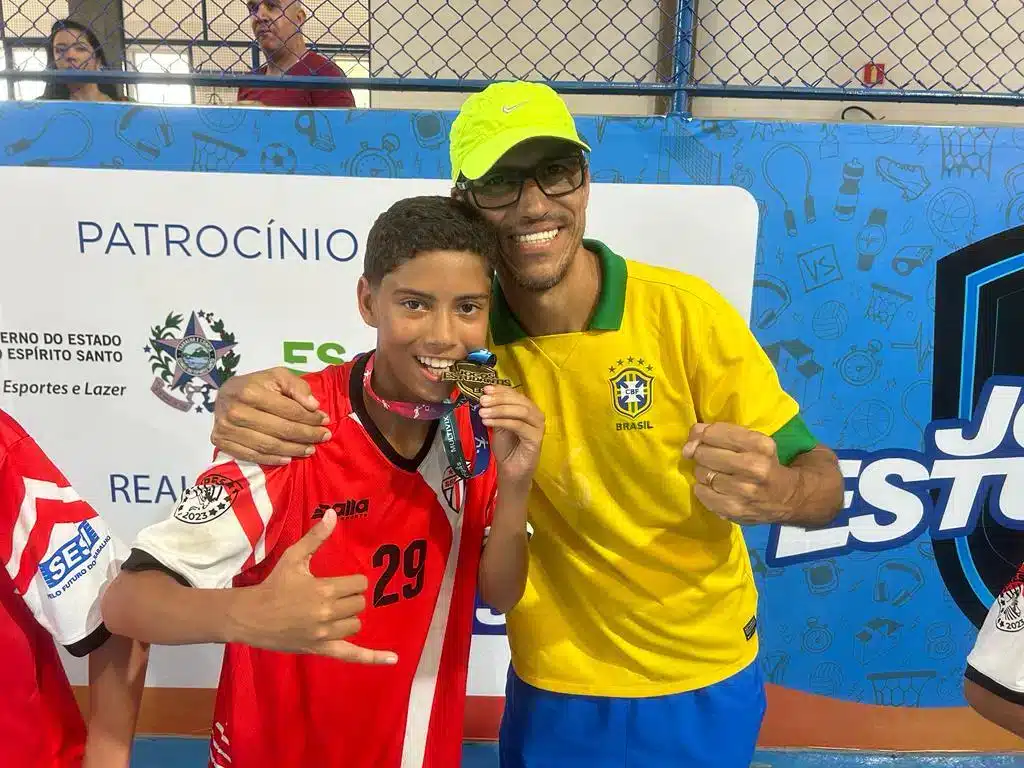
74	46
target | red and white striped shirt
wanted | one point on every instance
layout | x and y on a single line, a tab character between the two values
57	557
412	527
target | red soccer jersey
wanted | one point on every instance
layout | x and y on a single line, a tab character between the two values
310	65
57	556
411	526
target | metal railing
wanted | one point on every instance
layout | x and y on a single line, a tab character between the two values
590	46
914	50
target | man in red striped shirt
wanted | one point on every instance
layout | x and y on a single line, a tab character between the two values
277	26
57	557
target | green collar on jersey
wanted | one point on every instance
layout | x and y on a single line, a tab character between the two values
607	314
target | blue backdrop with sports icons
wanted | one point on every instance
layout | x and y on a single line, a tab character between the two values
888	287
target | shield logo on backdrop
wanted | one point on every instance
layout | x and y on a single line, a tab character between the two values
979	314
632	392
191	363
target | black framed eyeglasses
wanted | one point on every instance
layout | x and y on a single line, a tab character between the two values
503	187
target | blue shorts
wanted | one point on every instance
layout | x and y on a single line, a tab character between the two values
713	727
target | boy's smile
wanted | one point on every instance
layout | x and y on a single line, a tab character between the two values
429	313
434	367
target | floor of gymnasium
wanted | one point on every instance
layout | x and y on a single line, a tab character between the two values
165	752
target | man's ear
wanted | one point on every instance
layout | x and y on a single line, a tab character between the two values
366	298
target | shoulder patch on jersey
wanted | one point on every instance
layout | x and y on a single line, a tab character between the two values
210	498
1011	612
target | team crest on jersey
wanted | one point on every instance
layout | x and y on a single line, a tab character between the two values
632	385
210	498
1011	616
191	363
454	489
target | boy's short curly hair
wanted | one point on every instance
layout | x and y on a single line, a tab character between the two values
427	223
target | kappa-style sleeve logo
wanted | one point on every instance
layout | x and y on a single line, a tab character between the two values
207	500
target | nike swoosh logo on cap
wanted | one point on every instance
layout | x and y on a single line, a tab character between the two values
509	109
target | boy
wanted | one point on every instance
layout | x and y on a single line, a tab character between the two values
389	480
994	678
57	557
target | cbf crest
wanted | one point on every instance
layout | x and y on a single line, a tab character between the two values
632	387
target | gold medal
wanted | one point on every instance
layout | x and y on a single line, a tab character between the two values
471	378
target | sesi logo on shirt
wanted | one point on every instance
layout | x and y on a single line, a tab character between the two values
71	554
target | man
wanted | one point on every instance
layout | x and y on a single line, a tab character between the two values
277	26
635	641
58	556
994	678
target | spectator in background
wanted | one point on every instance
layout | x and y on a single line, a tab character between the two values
277	27
74	46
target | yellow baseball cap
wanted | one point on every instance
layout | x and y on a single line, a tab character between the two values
501	116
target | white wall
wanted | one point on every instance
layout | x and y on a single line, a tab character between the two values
590	40
925	44
942	45
578	104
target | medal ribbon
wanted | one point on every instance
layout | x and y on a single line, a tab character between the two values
445	413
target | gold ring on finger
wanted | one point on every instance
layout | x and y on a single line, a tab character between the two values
710	481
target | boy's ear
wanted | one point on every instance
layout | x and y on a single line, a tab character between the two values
365	298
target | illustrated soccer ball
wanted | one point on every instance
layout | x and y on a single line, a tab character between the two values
278	158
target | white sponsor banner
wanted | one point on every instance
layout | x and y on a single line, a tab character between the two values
116	286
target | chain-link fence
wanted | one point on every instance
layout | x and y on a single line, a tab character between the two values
585	45
202	51
971	49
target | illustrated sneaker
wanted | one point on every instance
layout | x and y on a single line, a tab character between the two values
911	179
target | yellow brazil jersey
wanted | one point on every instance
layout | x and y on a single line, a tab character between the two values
634	588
